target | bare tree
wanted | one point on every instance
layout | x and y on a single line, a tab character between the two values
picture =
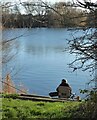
85	46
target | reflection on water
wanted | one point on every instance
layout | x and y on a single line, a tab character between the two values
41	63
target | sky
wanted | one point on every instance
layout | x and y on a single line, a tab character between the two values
67	0
51	1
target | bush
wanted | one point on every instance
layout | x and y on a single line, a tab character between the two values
14	96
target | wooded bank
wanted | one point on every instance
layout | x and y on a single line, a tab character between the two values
37	14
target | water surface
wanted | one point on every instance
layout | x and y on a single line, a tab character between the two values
41	61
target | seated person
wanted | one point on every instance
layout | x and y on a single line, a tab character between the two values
64	90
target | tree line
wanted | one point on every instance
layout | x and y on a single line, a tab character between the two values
40	14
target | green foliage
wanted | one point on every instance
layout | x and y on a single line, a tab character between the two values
23	110
14	96
84	91
88	109
91	94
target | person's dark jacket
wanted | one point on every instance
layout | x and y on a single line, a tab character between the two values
63	84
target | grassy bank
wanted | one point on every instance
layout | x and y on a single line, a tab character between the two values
22	109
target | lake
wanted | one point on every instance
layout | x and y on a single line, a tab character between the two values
40	61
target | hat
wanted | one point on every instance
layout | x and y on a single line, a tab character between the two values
63	80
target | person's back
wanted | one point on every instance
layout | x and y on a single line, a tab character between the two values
64	90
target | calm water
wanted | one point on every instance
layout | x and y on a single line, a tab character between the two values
40	62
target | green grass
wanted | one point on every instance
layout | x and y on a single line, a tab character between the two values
22	109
